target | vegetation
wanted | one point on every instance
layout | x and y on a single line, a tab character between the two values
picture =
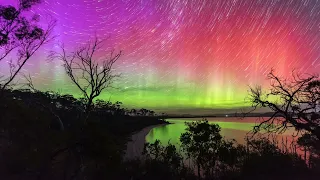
295	103
33	146
21	35
90	74
51	136
213	157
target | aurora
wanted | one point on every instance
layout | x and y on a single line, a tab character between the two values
184	53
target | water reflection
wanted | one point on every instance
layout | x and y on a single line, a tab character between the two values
231	128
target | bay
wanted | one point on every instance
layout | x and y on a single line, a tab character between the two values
231	128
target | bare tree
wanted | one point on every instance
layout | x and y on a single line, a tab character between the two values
294	102
90	74
20	35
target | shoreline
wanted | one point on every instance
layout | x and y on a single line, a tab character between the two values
138	139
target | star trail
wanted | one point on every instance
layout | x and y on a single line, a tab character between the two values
184	53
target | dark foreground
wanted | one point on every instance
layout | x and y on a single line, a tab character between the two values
47	136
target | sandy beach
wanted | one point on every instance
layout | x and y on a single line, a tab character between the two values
136	145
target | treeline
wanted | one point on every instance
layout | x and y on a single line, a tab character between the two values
45	135
48	136
205	154
69	102
34	146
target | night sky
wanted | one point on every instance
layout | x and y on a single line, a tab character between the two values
184	53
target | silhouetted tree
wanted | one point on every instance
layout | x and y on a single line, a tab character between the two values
201	142
306	142
165	162
264	159
133	112
20	34
145	112
90	74
151	113
50	101
217	158
294	102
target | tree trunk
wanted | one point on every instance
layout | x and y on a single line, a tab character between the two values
199	175
305	154
88	110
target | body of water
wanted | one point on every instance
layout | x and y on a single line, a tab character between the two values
231	128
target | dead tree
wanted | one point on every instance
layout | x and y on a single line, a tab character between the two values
294	102
89	73
20	38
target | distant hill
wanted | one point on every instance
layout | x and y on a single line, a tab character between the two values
266	114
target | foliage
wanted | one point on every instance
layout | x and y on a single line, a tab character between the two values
33	145
22	35
201	143
167	154
165	162
295	103
217	158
